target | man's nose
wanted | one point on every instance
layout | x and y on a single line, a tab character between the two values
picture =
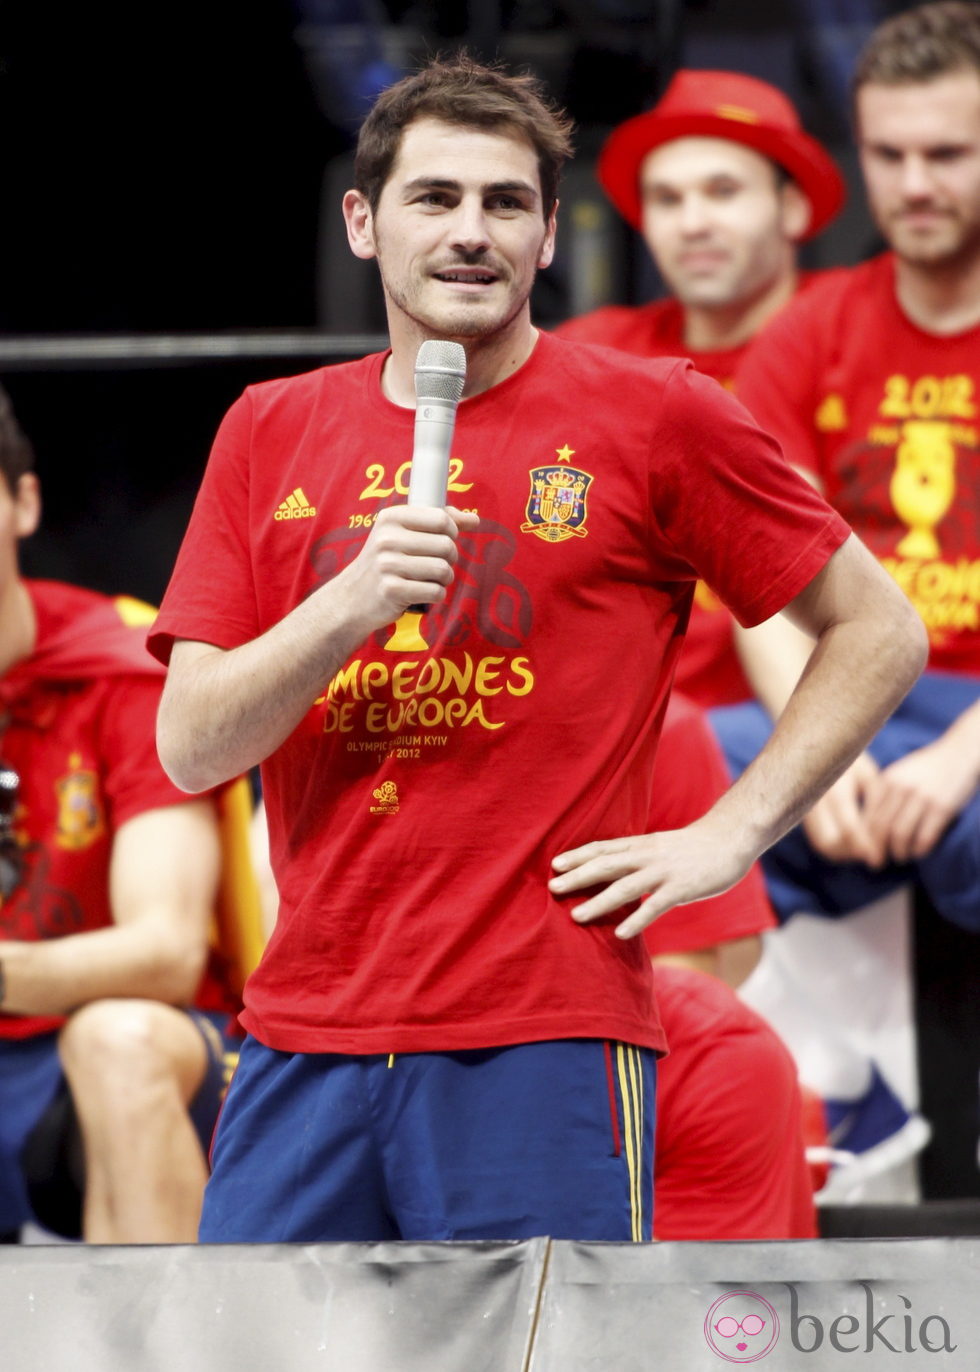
916	179
693	214
470	227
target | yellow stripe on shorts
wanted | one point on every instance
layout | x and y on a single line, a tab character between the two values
629	1071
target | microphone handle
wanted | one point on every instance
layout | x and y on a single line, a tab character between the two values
429	478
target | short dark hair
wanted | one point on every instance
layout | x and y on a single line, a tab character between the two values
469	94
16	453
921	44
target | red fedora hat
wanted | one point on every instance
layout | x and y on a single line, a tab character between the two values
721	104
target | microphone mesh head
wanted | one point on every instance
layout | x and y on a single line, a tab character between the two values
440	371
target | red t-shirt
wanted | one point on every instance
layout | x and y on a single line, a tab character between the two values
414	812
81	715
708	670
885	414
652	330
688	777
729	1159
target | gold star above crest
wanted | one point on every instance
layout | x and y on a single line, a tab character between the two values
565	454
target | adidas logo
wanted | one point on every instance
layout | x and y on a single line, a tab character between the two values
295	506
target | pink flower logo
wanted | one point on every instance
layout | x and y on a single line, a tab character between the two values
741	1327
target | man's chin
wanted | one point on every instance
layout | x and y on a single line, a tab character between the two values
935	248
704	295
469	322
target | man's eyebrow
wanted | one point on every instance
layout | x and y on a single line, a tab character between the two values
505	187
441	183
664	183
421	183
941	145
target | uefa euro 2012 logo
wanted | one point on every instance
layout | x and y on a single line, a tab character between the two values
743	1327
387	797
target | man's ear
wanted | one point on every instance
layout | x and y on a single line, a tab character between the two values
796	211
360	225
548	247
27	505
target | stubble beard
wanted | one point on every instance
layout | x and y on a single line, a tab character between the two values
453	322
956	242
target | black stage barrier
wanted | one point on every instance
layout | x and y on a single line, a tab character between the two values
946	975
538	1306
922	1219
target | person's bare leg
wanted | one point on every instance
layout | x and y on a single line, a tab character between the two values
133	1066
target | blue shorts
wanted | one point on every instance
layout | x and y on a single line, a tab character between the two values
551	1138
799	879
42	1173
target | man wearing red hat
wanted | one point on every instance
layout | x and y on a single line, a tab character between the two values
723	183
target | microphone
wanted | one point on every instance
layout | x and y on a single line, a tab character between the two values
440	375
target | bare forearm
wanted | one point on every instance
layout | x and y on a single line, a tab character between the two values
223	712
56	976
963	738
773	656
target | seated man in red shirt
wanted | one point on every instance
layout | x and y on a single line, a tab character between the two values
109	1082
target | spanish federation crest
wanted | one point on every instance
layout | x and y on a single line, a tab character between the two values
80	817
556	508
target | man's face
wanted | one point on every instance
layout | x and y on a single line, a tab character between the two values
459	232
920	155
718	225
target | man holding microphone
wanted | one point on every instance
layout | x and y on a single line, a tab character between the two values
453	1031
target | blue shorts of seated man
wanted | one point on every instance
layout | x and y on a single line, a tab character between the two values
42	1163
800	879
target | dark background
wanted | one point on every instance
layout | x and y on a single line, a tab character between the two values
165	170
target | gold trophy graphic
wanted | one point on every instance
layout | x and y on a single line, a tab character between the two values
923	484
406	636
440	375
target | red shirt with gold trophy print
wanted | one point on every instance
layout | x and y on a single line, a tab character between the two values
414	811
887	416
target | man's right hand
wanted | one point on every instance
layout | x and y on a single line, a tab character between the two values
407	559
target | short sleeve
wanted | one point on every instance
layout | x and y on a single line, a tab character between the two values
211	595
729	504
